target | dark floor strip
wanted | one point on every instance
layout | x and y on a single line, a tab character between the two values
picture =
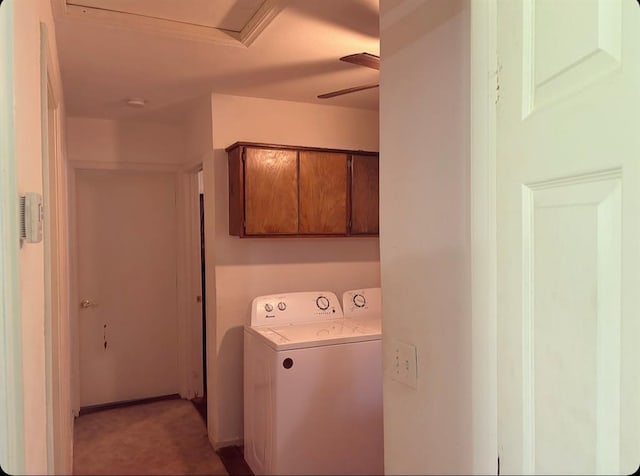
125	403
201	406
233	459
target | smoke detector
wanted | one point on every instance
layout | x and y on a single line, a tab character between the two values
136	102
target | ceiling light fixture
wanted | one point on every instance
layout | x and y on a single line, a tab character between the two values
136	102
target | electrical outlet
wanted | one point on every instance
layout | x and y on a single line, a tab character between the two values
404	364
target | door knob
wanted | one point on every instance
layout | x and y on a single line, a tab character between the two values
85	303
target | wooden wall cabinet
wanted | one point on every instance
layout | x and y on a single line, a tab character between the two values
365	195
277	190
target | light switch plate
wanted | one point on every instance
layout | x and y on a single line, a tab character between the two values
404	363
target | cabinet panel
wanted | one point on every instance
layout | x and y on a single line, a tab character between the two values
365	195
323	192
271	191
236	192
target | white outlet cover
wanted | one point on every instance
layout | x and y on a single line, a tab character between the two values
403	364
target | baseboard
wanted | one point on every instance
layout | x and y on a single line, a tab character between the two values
125	403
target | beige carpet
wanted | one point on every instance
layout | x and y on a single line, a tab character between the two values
167	437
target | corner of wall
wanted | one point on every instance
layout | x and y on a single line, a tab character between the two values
425	256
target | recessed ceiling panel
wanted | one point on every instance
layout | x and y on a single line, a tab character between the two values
108	55
230	15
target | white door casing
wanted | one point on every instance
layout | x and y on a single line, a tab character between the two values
189	284
56	269
126	262
483	81
568	236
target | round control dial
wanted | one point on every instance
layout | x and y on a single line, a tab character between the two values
323	303
282	306
268	307
359	300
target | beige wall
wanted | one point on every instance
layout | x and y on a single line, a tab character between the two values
246	268
424	236
29	153
197	131
104	140
28	17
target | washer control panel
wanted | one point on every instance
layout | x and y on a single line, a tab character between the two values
362	302
294	308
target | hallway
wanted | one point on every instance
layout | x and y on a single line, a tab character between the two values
166	437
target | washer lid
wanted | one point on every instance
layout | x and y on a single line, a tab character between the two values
318	334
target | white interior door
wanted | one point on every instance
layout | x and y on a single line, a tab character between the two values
127	245
568	230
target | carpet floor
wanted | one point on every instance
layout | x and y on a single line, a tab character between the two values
160	438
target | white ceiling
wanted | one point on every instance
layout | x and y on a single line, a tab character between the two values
109	56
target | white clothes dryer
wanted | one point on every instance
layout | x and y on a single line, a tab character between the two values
312	388
363	304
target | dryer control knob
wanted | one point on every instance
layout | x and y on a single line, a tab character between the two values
282	306
268	307
359	300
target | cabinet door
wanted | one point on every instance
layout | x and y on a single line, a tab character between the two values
271	191
364	195
323	193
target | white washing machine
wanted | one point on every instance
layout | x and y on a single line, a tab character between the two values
312	388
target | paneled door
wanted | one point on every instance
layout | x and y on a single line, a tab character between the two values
126	255
568	231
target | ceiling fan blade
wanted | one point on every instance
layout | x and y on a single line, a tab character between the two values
363	59
347	91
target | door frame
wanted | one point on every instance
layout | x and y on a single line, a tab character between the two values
484	70
189	286
184	281
56	268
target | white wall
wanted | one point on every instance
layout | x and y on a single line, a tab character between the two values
28	17
197	130
104	140
29	153
11	411
246	268
424	232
